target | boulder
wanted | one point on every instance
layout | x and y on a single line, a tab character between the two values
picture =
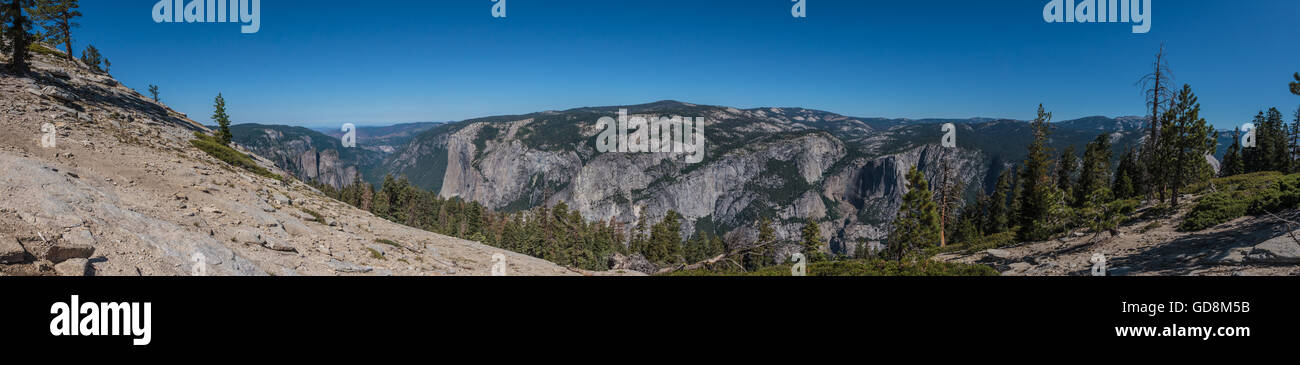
297	229
247	236
73	267
58	94
345	267
61	252
1280	250
280	199
278	245
10	251
77	244
998	253
635	262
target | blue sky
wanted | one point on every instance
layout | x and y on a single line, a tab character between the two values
322	63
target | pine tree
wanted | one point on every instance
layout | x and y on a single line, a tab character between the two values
57	18
1038	192
1232	164
1281	154
1095	173
381	204
153	90
1127	176
92	58
811	239
946	198
637	245
1190	138
1066	166
967	229
18	33
222	119
1099	213
1270	151
917	224
665	240
716	247
1156	91
1293	145
999	212
1295	86
758	257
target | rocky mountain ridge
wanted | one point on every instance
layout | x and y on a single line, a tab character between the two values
787	164
99	180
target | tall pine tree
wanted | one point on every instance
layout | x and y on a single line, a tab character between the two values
999	210
811	239
917	224
1038	194
222	119
1189	138
1066	166
17	31
1095	174
1232	164
1156	90
757	257
1295	86
57	18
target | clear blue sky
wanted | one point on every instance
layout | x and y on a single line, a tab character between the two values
321	63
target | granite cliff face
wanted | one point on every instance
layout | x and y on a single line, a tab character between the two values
309	155
786	164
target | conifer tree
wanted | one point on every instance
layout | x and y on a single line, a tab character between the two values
92	58
946	198
757	256
222	119
1189	139
665	240
1066	166
1095	173
17	31
811	239
1038	192
1099	213
1128	176
57	18
917	224
637	245
1232	164
1156	90
1293	145
1295	86
153	90
999	212
1270	151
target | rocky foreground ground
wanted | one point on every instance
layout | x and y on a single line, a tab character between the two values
1248	246
122	192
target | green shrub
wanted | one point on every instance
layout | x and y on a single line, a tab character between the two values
1238	196
374	254
313	214
869	267
998	240
38	48
228	155
388	242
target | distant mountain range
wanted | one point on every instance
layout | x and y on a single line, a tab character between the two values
318	155
787	164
